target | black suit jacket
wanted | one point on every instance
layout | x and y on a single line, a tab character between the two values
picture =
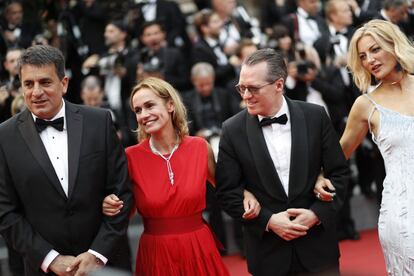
244	162
224	106
202	52
36	215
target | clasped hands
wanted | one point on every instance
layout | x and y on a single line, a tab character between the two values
64	265
292	223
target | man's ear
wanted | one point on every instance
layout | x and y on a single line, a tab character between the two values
280	84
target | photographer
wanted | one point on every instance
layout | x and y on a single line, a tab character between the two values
208	105
10	82
158	60
116	67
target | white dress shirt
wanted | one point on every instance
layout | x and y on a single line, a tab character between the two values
56	145
218	51
279	142
308	28
149	10
341	49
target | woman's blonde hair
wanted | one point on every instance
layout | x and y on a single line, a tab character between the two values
165	91
390	38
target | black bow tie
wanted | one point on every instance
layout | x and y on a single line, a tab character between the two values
42	124
282	119
344	33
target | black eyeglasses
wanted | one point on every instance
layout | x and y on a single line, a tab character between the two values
253	90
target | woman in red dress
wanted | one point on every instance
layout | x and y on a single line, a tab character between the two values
169	170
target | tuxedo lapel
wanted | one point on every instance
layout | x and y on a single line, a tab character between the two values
299	150
261	157
30	135
75	129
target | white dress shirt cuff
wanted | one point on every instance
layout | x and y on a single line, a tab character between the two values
48	260
99	256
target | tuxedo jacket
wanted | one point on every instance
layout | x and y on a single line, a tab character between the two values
202	52
244	162
224	105
35	213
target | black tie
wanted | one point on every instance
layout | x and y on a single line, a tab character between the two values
42	124
282	119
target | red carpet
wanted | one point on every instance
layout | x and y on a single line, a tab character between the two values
358	258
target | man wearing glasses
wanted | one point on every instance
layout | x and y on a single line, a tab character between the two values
276	149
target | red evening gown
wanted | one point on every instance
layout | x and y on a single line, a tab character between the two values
175	240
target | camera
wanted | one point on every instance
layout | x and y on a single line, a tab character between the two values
108	63
151	63
303	64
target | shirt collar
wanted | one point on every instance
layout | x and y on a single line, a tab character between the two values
302	12
211	42
61	113
283	110
333	31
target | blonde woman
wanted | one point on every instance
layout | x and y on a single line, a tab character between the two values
379	52
169	170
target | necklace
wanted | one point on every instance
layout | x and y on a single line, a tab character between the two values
167	159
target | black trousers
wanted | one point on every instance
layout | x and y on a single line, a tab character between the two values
297	269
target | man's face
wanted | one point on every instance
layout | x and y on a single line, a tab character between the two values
10	64
398	14
310	6
204	85
92	96
268	99
342	14
153	37
43	90
14	14
225	7
113	35
214	25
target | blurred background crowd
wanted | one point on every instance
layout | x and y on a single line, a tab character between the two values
198	47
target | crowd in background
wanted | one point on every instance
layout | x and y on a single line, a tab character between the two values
109	46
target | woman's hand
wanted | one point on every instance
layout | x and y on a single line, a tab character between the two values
324	190
251	206
112	205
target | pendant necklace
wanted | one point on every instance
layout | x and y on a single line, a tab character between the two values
167	159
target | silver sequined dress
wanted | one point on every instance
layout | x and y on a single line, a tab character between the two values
395	140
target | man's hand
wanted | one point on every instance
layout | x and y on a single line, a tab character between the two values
60	264
85	263
282	226
303	217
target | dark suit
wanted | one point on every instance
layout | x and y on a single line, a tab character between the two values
244	162
202	52
35	213
224	106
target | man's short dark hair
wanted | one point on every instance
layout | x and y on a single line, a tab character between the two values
42	55
151	23
389	4
276	65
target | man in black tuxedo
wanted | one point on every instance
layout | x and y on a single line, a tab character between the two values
57	163
208	48
279	161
